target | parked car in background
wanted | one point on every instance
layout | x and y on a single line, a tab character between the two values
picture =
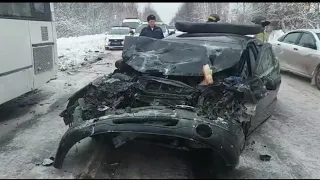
163	26
172	29
115	37
299	52
133	23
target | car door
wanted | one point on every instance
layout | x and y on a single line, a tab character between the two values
267	71
287	44
307	58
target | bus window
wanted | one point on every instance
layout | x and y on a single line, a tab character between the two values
41	11
15	10
39	8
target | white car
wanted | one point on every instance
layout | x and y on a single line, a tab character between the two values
115	37
133	23
298	51
172	29
160	24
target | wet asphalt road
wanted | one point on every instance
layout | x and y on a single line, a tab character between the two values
30	131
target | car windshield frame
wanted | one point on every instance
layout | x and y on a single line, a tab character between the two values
132	25
119	31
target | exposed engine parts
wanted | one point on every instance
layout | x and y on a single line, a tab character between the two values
109	94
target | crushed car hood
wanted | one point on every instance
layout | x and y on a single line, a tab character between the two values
148	55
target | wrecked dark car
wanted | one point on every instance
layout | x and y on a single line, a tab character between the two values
205	90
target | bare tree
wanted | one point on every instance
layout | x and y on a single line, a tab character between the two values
199	12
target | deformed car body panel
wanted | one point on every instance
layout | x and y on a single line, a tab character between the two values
148	55
224	138
161	92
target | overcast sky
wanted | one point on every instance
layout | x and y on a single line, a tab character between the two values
166	11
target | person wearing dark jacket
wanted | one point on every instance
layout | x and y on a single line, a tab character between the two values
213	18
152	30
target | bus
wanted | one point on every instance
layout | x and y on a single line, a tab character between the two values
28	48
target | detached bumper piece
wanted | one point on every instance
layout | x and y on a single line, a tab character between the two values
224	137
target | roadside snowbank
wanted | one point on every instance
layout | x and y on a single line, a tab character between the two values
73	51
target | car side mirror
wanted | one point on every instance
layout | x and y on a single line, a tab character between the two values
310	45
270	84
131	32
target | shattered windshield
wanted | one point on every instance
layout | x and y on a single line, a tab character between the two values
175	57
119	31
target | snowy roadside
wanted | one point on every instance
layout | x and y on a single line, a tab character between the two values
74	52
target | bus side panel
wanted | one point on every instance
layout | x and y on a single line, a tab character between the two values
15	85
43	51
15	59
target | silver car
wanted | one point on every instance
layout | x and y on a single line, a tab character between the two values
298	51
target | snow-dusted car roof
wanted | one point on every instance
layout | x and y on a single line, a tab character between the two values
310	30
120	27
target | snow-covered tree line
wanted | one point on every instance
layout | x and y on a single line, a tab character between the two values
77	19
285	16
199	12
148	10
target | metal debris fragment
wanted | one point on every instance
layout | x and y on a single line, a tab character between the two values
265	157
48	161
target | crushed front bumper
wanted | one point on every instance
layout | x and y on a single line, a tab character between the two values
224	137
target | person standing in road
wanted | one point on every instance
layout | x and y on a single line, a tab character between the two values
213	18
263	22
152	30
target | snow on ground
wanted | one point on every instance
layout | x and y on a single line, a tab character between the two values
73	51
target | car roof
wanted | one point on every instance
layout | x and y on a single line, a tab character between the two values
144	22
214	37
119	27
309	30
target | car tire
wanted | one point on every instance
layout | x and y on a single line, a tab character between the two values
317	78
191	27
107	48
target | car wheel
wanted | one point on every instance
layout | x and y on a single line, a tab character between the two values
317	78
107	48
